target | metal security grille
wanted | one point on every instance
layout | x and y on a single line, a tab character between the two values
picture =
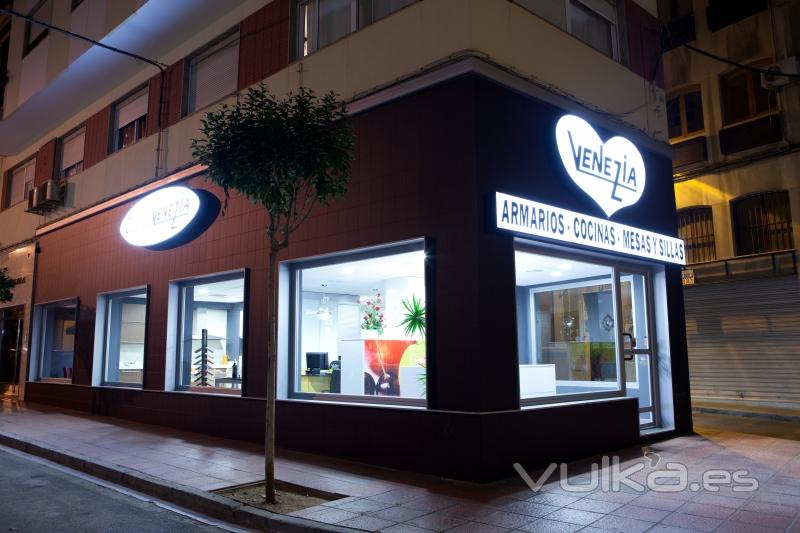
696	228
762	223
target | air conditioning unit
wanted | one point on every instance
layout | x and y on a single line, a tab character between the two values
45	197
790	65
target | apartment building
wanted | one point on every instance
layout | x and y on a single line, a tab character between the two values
511	174
735	134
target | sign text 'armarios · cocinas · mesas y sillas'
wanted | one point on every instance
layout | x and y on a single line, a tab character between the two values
541	220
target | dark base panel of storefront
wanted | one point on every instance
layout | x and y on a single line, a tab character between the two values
477	447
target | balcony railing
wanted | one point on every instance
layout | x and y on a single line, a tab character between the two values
770	264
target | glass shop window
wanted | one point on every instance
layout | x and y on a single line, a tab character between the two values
124	338
360	326
211	351
56	339
566	327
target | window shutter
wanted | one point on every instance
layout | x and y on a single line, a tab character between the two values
21	182
214	74
72	149
131	109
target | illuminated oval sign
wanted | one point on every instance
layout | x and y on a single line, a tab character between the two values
611	173
169	217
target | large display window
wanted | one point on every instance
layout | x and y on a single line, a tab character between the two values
582	329
359	326
211	336
123	337
54	340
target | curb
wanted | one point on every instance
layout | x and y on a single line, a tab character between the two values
747	414
206	503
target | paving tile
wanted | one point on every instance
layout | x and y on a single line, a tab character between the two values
405	528
688	521
544	525
329	515
504	519
367	523
554	499
529	508
741	527
596	506
475	527
623	524
704	509
574	516
770	508
654	502
715	499
762	519
398	496
641	513
432	503
398	513
362	506
436	522
615	497
663	528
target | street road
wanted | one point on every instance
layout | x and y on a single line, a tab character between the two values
37	497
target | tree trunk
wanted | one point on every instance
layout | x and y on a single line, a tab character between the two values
272	360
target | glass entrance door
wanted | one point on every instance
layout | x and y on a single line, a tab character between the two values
10	343
637	343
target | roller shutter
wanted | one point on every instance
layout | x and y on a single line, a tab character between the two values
744	340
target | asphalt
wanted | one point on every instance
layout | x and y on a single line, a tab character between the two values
36	498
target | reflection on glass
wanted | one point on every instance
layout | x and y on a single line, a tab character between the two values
567	333
212	343
125	328
635	333
57	340
361	327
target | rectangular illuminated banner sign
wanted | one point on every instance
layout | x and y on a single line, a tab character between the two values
541	220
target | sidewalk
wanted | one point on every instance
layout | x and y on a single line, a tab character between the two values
186	465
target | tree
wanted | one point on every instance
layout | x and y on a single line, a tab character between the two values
287	155
6	284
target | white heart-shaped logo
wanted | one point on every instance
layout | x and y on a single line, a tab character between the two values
612	173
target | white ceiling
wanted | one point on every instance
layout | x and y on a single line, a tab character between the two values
533	269
229	291
155	29
360	277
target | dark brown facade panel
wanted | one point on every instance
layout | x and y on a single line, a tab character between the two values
97	137
264	43
174	77
45	163
644	42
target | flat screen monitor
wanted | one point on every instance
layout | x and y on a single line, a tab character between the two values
316	361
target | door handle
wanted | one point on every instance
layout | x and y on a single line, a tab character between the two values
625	356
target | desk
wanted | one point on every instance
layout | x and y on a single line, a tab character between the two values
315	382
235	383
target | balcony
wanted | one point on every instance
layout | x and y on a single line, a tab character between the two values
770	264
751	134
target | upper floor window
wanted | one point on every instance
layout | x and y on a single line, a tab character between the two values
213	73
72	153
20	183
743	97
696	228
592	21
685	114
762	223
130	119
321	22
35	33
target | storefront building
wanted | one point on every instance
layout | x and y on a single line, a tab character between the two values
538	238
17	260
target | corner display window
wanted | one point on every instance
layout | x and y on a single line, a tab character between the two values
360	327
56	339
124	338
211	334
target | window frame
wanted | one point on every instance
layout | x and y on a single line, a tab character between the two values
295	294
619	267
753	114
27	45
735	223
6	203
39	329
103	339
680	94
62	172
140	130
213	47
179	285
713	244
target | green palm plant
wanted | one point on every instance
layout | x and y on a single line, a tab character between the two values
414	318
